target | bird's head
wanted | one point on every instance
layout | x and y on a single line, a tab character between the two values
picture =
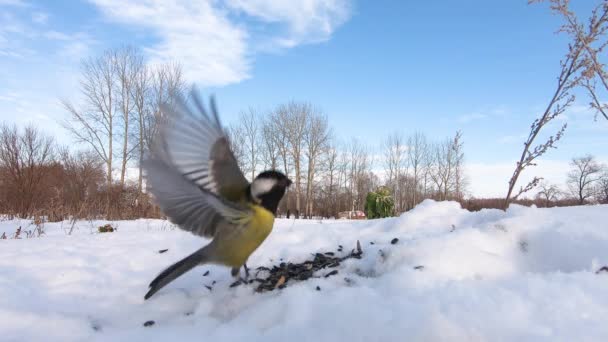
268	188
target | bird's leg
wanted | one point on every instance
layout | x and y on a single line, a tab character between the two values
235	272
246	271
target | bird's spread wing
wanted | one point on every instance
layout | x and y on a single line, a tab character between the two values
192	208
194	143
191	170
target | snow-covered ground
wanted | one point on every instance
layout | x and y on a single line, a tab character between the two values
525	275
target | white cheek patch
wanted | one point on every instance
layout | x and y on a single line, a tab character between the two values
262	186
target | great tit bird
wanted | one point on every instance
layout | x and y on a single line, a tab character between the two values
193	176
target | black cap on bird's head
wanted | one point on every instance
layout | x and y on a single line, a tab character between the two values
268	188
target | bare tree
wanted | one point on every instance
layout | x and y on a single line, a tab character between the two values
394	156
585	171
250	128
141	92
94	124
316	137
417	152
602	187
460	181
25	157
558	103
591	37
128	64
440	172
297	115
331	166
359	166
548	193
269	144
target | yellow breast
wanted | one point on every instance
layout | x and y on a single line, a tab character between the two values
235	250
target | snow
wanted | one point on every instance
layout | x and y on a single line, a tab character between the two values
527	274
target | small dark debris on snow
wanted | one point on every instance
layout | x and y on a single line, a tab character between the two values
206	274
419	267
162	251
603	269
96	327
348	280
453	228
318	288
371	242
279	276
394	241
149	323
334	272
213	282
209	287
189	313
106	228
382	255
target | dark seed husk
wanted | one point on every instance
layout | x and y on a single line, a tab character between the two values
149	323
268	278
334	272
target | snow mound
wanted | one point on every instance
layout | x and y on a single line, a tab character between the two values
437	272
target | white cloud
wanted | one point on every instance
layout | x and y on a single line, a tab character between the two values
212	50
206	39
308	21
483	114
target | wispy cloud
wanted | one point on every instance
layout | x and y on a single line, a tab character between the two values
305	21
482	115
212	42
40	17
16	3
471	117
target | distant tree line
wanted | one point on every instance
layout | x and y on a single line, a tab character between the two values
586	183
332	176
116	117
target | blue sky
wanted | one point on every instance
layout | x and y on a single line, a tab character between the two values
484	67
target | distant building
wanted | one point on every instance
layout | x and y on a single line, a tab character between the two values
351	215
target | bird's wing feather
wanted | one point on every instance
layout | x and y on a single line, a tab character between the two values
192	208
194	143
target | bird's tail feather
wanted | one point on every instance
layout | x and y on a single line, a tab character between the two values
176	270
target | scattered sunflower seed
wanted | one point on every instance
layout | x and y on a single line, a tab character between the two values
334	272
